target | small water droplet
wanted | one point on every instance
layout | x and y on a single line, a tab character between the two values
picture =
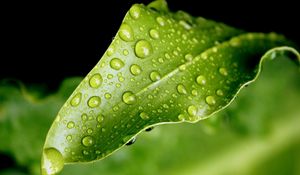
95	81
52	161
181	117
129	98
143	49
161	60
210	100
94	101
192	110
182	67
126	32
116	63
100	118
110	51
201	80
194	92
220	92
87	141
154	76
188	57
160	21
76	99
70	125
84	117
107	95
110	76
223	71
131	141
135	12
144	116
125	52
69	138
135	69
181	89
154	34
90	131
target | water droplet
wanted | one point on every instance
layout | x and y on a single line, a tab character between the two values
223	71
135	69
135	12
182	67
143	49
181	89
185	25
192	110
85	152
181	117
131	141
154	34
100	118
201	80
90	131
126	32
125	52
69	138
210	100
144	116
220	92
70	125
194	92
84	117
154	76
110	76
87	141
116	63
188	57
76	99
107	95
110	51
160	21
129	98
161	60
94	101
95	81
52	161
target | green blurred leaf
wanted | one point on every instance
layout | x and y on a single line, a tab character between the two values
161	67
25	119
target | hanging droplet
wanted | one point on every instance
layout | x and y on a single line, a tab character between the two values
76	99
129	98
135	69
116	63
94	101
201	80
154	76
154	34
210	100
126	32
52	161
143	49
181	89
131	141
87	141
95	81
149	129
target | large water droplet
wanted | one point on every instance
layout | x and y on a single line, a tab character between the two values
129	98
94	101
116	63
223	71
154	76
181	89
135	69
135	12
192	110
144	116
126	32
201	80
143	49
95	81
210	100
52	161
70	125
76	99
154	34
87	141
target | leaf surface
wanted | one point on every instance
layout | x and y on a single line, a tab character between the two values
161	67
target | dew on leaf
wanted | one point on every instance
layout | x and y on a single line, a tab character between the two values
181	89
201	80
154	34
129	98
94	101
87	141
70	125
135	12
154	76
95	81
76	99
135	69
126	32
143	49
52	161
210	100
144	116
116	63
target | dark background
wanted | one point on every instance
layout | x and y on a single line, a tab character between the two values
42	43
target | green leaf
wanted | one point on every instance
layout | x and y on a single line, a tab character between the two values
161	67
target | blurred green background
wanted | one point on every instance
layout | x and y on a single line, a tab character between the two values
259	133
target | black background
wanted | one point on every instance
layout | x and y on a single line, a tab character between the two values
44	42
